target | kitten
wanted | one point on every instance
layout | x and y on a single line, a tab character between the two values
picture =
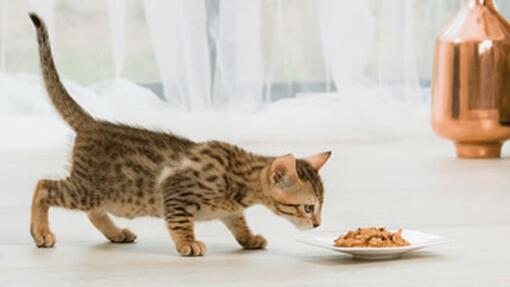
131	172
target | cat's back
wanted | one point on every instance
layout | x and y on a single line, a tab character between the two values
110	152
225	160
116	140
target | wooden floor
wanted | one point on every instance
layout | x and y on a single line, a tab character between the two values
417	185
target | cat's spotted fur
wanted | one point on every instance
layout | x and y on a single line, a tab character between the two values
132	172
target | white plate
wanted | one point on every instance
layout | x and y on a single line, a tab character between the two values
417	240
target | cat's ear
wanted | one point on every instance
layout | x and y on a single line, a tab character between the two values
318	160
283	167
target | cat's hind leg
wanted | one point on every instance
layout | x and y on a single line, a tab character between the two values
49	193
104	223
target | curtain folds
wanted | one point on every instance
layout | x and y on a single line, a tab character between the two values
239	70
178	32
238	55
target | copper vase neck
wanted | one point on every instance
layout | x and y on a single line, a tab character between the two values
488	3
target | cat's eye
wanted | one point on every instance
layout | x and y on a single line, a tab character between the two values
309	208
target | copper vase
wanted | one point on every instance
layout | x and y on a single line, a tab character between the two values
471	81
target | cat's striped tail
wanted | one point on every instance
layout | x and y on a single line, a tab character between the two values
72	113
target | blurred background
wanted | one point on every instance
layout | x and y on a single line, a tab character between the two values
238	70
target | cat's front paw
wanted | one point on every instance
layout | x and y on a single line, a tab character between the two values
123	236
254	242
192	248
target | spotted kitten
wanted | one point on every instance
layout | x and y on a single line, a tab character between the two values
131	172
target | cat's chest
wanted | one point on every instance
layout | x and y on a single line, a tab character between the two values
217	210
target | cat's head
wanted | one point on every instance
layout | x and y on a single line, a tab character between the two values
295	189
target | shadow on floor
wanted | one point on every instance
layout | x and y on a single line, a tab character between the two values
329	260
168	249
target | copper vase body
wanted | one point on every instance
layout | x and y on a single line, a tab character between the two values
471	81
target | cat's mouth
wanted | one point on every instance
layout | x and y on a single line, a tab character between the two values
304	226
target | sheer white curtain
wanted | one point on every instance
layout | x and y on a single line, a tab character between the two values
231	54
275	69
238	54
178	32
208	52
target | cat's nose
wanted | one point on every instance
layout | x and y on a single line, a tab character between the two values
315	225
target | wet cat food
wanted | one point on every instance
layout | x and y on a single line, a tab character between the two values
371	237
